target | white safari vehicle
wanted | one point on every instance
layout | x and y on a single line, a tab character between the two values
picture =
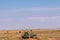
29	36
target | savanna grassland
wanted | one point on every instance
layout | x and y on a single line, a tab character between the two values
41	34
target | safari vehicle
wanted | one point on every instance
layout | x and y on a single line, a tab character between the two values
29	36
25	35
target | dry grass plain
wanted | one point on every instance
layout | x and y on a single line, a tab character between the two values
41	34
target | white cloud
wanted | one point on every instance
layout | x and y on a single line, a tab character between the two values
34	22
38	9
42	19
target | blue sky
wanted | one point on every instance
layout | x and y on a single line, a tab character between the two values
29	14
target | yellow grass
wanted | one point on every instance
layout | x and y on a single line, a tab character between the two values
41	34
